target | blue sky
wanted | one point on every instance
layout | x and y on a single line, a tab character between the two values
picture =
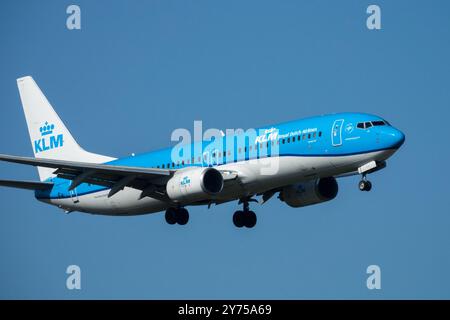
138	70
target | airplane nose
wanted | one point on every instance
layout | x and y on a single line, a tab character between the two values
396	138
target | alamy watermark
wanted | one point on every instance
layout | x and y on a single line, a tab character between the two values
374	280
373	22
73	21
73	281
213	147
216	147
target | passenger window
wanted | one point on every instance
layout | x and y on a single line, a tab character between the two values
162	166
304	136
288	140
320	134
314	135
309	135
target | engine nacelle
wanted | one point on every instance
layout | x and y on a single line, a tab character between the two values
196	184
311	192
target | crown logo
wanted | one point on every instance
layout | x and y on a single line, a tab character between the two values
349	127
46	129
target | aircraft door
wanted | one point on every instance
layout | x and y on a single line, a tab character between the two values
336	133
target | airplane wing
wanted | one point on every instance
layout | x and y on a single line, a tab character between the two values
115	177
150	181
30	185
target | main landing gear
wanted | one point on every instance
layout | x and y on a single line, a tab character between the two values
177	215
245	217
364	184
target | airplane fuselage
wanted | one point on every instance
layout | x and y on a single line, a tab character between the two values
277	156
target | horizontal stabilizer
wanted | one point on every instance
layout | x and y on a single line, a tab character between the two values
30	185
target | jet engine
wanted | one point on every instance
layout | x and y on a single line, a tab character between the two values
311	192
194	184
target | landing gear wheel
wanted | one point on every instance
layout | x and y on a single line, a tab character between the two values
245	217
182	216
362	185
171	216
249	219
365	185
238	219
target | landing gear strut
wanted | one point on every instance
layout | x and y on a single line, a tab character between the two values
245	217
364	184
177	215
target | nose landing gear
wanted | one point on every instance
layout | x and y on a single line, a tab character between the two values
364	184
370	167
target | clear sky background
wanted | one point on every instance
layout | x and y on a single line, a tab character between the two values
137	70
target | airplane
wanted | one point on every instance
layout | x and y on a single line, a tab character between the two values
307	157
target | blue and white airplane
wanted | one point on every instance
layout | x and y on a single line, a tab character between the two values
298	160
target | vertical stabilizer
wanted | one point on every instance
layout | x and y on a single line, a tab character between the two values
49	136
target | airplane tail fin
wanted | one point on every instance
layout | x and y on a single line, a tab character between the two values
49	136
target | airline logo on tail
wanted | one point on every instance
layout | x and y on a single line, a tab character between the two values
48	140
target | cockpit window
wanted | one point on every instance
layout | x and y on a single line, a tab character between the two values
378	123
368	124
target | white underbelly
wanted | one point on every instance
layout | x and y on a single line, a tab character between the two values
125	202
